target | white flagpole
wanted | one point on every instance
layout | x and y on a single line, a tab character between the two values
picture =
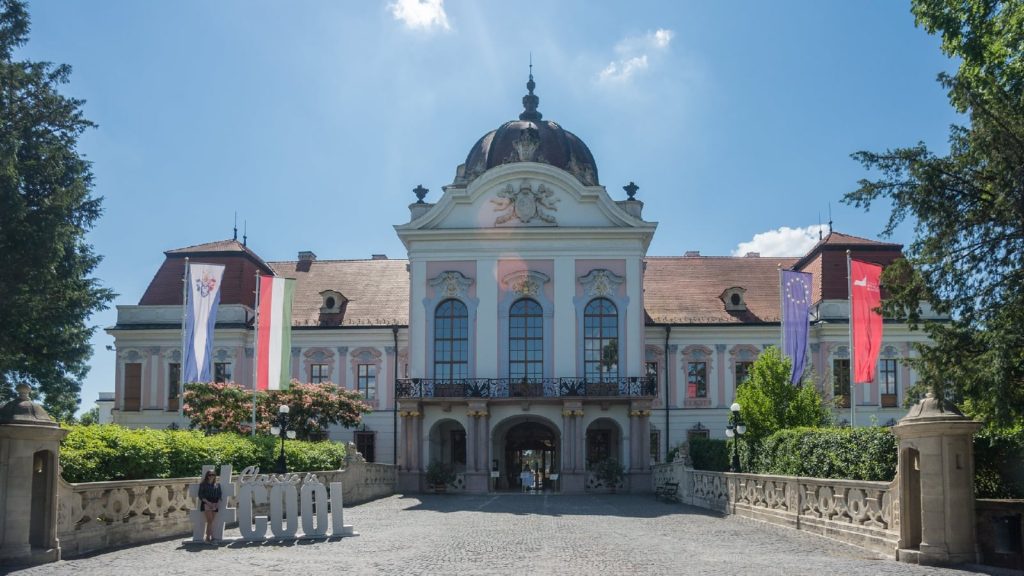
255	350
782	312
853	386
184	315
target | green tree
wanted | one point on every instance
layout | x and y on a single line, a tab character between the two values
90	417
768	402
46	209
967	256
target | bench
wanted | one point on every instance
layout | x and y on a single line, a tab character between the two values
667	490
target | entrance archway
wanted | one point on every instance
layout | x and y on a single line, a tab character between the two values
526	443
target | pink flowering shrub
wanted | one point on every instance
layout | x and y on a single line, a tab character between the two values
227	407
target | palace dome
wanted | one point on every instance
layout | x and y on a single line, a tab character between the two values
530	139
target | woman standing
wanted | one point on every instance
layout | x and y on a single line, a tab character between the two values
209	497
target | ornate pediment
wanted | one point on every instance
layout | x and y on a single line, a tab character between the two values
601	282
451	284
525	204
525	282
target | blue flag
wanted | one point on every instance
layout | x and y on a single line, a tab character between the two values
796	305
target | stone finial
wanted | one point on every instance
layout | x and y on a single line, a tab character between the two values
23	411
631	189
420	193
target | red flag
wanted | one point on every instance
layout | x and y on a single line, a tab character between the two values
865	296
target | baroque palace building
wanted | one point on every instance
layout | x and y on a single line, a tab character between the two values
527	327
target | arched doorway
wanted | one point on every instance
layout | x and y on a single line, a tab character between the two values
448	446
526	443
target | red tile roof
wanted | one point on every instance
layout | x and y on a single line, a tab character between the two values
377	291
686	290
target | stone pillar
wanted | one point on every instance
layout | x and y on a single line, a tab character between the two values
640	455
478	474
29	449
410	467
936	484
572	477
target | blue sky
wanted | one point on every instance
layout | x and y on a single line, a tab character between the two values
314	120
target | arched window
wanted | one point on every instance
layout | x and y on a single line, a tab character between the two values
525	340
600	340
451	340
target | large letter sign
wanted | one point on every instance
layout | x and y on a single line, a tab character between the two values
319	509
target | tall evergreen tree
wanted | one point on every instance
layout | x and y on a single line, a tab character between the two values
967	257
46	209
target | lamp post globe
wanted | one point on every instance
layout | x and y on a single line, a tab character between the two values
734	430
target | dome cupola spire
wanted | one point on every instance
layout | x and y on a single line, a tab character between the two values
530	100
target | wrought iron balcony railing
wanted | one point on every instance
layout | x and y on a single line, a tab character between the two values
628	386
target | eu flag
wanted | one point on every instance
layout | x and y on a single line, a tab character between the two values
796	305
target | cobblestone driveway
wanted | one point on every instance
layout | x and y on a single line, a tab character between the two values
513	534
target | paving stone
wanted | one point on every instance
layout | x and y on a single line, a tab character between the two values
513	534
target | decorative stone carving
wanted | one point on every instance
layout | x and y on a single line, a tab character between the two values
583	172
451	284
525	282
600	283
525	147
525	204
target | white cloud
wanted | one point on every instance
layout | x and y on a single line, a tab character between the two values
420	14
785	241
635	54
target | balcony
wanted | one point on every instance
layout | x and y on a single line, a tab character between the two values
625	387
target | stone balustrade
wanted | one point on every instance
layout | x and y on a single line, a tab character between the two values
98	515
860	513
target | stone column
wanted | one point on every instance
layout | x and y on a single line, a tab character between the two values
572	478
410	470
936	484
477	437
640	454
29	448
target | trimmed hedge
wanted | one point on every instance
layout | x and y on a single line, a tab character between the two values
111	452
844	453
709	454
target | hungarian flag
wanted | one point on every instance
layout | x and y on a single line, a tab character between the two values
202	295
865	297
274	333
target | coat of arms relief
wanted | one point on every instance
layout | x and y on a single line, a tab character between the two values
526	204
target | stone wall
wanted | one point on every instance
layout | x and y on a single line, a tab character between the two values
98	515
861	513
1000	532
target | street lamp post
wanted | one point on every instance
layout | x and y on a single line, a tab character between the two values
734	430
280	428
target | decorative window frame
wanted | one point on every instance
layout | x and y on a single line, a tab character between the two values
890	352
516	286
168	357
836	352
130	356
726	297
450	285
367	355
741	353
697	353
318	356
601	283
655	354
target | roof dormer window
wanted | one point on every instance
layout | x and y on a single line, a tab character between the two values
733	299
332	302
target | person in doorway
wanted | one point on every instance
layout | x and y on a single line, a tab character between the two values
209	500
526	478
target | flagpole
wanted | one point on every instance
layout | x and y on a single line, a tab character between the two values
782	315
255	350
184	315
853	386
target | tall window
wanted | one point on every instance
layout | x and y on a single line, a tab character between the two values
366	379
742	372
173	386
222	371
600	340
451	341
841	382
366	445
525	340
132	387
697	380
318	373
887	381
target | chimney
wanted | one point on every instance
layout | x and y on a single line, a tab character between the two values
753	255
379	257
307	256
692	254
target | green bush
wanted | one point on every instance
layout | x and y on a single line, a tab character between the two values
110	452
999	462
709	454
868	453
